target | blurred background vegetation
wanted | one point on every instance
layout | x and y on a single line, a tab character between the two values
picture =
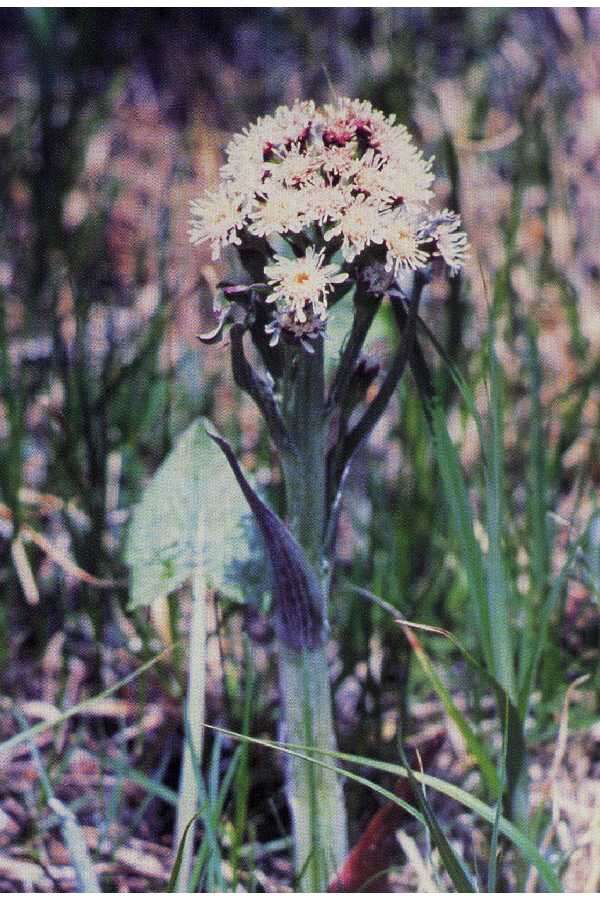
110	122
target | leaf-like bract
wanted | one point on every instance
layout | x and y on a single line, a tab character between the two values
191	517
297	597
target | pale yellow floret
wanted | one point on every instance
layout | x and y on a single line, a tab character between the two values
402	241
303	283
217	217
369	177
338	162
290	121
291	168
325	202
282	210
360	224
451	241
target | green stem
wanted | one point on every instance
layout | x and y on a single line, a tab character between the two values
314	795
187	802
304	468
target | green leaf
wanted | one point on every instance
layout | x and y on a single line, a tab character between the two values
152	787
544	614
171	886
473	743
497	585
492	863
191	517
455	866
514	734
460	382
471	557
537	483
297	594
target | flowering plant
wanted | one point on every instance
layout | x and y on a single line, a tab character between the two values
322	204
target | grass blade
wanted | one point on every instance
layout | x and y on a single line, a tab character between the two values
492	863
154	788
539	544
538	472
174	877
455	491
516	753
454	865
497	587
85	875
543	620
472	742
6	747
86	880
521	841
209	853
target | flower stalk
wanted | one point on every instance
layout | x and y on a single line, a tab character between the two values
314	794
188	795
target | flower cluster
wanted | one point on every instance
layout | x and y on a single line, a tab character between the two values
344	185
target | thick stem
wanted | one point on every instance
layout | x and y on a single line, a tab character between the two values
314	795
304	469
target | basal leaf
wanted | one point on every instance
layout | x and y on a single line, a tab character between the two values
191	517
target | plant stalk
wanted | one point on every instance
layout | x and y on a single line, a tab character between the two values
314	794
187	803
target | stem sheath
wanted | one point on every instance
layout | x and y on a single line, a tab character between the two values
315	794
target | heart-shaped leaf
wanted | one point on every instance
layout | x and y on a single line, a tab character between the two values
191	517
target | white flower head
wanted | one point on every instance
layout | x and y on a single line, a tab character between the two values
338	162
303	283
348	120
291	168
369	178
245	166
407	174
450	240
362	223
403	244
282	210
344	175
217	217
293	124
325	202
250	152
